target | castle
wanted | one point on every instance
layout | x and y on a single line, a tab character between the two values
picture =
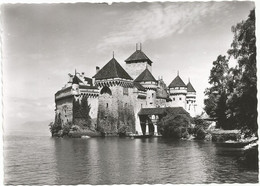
129	99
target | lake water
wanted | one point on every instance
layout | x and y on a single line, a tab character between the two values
44	160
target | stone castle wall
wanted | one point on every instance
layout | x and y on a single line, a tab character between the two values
116	111
64	107
135	69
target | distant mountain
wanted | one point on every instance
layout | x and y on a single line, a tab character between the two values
31	127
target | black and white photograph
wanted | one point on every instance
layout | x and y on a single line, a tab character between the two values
113	92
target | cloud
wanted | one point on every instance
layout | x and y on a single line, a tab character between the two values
157	21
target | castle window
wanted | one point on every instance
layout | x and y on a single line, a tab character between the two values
152	95
125	104
106	90
107	105
179	98
125	91
173	99
188	102
141	105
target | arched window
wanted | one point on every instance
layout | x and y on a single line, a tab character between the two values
106	90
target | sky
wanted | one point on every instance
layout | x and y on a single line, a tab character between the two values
42	43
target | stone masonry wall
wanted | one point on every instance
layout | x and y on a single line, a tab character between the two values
64	108
116	111
135	69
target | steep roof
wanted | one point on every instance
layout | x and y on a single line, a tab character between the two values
190	88
162	111
112	70
138	56
139	86
76	80
146	75
152	111
177	82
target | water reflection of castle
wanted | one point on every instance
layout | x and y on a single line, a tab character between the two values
129	98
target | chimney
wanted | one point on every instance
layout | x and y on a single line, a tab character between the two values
97	69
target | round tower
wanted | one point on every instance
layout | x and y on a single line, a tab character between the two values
115	103
178	93
147	80
75	86
191	99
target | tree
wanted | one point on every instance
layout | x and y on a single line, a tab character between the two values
174	126
81	110
231	99
243	49
215	104
85	109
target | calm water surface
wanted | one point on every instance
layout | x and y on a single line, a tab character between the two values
45	160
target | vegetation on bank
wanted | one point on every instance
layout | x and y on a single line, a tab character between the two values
231	97
81	124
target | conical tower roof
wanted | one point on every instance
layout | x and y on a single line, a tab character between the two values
177	82
190	88
112	70
138	56
146	75
75	80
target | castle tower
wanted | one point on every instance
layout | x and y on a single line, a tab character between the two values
115	104
178	92
137	63
191	99
75	87
147	80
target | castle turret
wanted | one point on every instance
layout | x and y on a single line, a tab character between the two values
191	99
115	105
178	92
137	63
147	80
75	86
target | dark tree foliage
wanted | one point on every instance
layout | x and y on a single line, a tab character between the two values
81	110
232	96
215	104
243	49
174	126
85	109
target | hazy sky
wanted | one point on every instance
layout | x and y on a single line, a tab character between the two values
42	43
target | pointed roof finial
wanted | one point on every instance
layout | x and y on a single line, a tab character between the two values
136	46
141	46
113	54
178	73
75	71
189	79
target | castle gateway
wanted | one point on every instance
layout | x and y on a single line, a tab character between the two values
119	99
